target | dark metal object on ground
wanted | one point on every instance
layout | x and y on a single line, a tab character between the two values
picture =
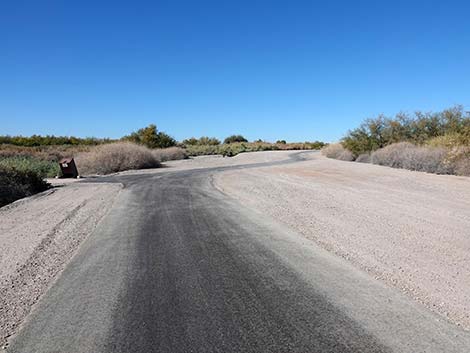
68	168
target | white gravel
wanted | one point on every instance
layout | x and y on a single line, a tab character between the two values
408	229
204	162
38	235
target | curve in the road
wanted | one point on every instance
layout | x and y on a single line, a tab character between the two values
178	266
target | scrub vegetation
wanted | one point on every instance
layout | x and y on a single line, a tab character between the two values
430	142
234	148
116	157
49	140
24	160
17	183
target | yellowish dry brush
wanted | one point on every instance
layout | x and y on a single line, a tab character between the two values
116	157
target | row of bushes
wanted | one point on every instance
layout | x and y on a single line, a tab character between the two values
23	174
148	136
405	155
450	127
47	153
232	149
432	142
202	141
120	156
26	161
50	140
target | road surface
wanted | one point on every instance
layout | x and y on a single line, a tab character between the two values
178	266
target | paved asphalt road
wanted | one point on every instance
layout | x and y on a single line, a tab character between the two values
178	266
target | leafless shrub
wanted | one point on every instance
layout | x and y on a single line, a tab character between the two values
363	158
337	151
346	155
408	156
116	157
462	167
459	157
169	154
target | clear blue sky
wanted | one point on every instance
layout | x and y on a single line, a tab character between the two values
297	70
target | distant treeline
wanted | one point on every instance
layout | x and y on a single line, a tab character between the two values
150	137
49	140
447	128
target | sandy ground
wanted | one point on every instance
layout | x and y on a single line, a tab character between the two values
408	229
38	235
215	161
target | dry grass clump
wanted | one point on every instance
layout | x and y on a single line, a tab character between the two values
169	154
408	156
446	141
337	151
459	158
116	157
462	167
363	158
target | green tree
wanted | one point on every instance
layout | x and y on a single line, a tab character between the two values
191	141
235	138
149	136
210	141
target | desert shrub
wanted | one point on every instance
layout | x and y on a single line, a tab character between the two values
333	150
459	158
43	168
393	155
346	155
202	141
151	138
408	156
234	139
45	153
169	154
116	157
363	158
448	126
16	184
446	141
49	140
205	150
315	145
450	140
337	151
462	167
192	141
232	149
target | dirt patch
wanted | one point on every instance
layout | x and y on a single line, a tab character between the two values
217	161
38	236
408	229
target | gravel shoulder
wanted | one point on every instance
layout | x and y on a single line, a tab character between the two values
38	236
410	230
